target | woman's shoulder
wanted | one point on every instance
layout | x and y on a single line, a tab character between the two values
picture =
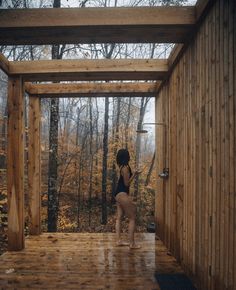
125	168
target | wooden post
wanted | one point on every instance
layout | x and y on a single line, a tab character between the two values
34	168
15	164
160	152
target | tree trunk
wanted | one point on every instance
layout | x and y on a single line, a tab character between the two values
116	140
97	145
77	177
104	163
91	158
150	170
52	168
144	102
53	152
127	124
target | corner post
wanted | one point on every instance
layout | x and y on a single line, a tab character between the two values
15	164
34	166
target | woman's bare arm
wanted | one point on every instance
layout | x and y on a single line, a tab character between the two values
126	175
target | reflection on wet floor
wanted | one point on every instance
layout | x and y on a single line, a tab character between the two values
85	261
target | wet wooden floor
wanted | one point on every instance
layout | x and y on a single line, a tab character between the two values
85	261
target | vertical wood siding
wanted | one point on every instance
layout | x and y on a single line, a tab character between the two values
199	108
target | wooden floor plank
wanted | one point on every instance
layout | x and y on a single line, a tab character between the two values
85	261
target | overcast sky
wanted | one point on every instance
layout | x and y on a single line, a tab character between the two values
76	3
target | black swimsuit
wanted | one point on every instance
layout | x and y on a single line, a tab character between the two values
121	187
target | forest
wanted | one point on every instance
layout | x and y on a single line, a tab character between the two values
80	136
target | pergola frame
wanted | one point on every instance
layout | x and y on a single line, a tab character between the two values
156	24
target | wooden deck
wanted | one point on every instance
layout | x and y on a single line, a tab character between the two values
85	261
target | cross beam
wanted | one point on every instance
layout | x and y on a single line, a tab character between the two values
92	89
4	64
90	70
96	25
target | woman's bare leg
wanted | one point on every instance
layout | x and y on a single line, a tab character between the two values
130	210
118	221
118	226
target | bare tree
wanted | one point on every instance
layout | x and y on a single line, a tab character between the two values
53	149
150	170
90	157
143	106
104	163
116	140
127	123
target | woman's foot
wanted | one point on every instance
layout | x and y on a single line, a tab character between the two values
122	243
134	246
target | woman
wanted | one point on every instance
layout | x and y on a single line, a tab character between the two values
124	202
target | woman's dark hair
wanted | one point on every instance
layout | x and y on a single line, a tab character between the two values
122	157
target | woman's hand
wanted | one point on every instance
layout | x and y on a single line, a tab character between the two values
137	171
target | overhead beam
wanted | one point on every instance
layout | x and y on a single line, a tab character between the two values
4	64
92	89
96	25
90	70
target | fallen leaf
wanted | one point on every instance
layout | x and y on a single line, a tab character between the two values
9	271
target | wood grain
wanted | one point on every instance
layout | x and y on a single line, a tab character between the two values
4	64
34	166
86	261
92	89
159	159
200	99
15	164
96	25
82	70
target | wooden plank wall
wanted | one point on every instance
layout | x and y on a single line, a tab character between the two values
199	109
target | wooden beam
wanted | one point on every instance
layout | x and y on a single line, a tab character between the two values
174	55
96	25
4	64
34	168
15	164
87	70
202	7
92	89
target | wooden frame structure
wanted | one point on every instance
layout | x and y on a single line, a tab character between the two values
156	24
195	99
